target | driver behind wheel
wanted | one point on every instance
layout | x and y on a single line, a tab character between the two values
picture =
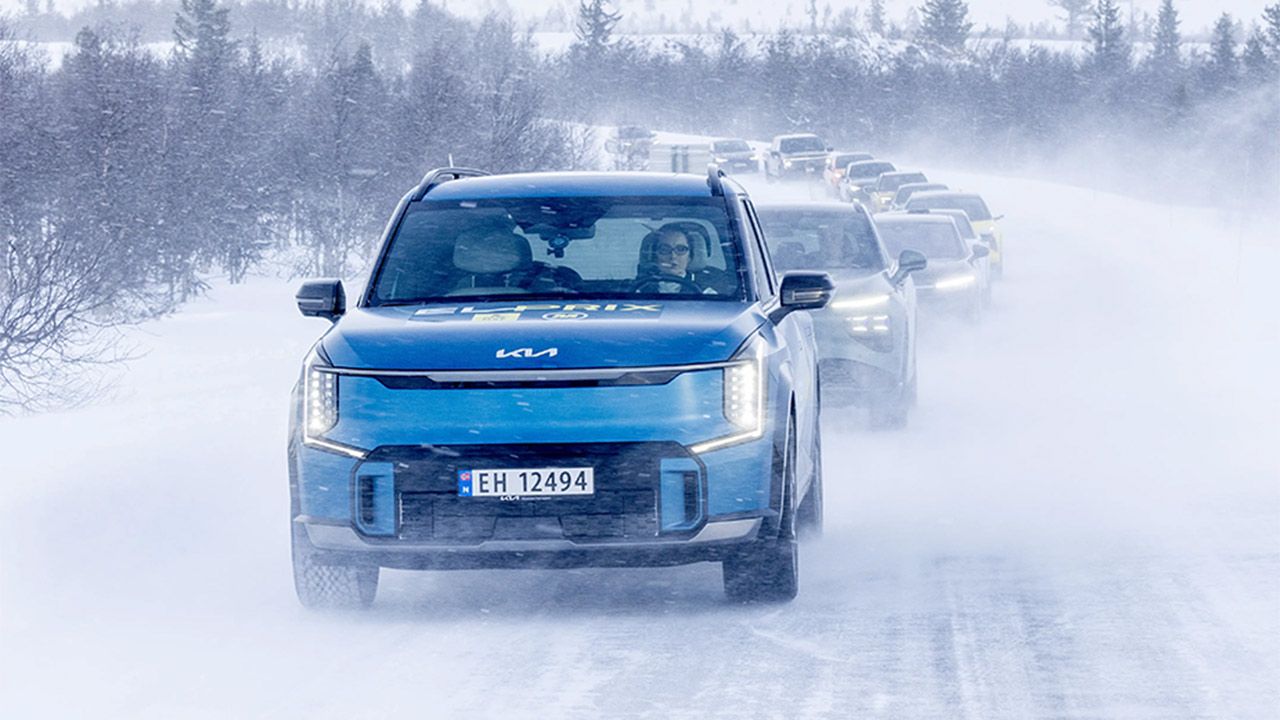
668	252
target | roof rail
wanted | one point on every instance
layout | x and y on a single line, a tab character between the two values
443	175
714	175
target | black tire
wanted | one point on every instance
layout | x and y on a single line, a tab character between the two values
809	516
769	570
326	586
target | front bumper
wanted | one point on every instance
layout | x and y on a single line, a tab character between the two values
860	371
343	544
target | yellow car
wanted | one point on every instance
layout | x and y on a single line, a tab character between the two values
979	214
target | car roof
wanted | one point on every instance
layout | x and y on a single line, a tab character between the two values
574	184
873	160
901	172
943	194
795	135
830	206
921	218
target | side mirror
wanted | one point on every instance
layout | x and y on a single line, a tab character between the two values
322	298
998	217
980	251
909	261
803	291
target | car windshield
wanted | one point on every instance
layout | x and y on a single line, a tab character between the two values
962	223
972	205
891	182
843	160
870	169
910	189
802	144
935	240
549	248
728	146
821	240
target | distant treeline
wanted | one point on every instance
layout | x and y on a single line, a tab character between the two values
127	179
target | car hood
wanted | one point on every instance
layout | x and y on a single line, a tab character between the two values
540	335
939	269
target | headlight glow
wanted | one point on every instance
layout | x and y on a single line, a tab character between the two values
869	324
744	393
321	400
861	303
955	282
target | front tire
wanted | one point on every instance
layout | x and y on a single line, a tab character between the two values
330	586
809	516
769	570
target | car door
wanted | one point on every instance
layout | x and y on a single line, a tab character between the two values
800	342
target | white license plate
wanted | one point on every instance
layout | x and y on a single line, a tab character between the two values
526	482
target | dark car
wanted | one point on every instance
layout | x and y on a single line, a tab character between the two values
733	155
952	283
859	177
791	156
559	370
866	336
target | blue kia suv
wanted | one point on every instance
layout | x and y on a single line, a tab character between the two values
559	370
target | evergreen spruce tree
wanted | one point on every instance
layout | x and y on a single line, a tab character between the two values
594	27
1223	67
1271	31
1258	67
1111	51
1166	55
945	23
1075	10
875	17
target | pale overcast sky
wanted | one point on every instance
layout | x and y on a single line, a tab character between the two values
1196	14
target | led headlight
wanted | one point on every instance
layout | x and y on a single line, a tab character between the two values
744	394
862	302
955	282
320	396
869	324
786	163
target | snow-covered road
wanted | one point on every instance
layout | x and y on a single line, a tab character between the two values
1082	520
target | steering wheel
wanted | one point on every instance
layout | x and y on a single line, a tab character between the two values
640	283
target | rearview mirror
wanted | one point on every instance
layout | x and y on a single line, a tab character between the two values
909	261
803	291
322	298
980	251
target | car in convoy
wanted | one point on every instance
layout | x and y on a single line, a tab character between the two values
979	214
834	170
866	336
734	155
559	370
953	281
971	236
881	195
859	177
905	192
794	156
630	147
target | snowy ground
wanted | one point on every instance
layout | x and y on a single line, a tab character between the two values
1083	520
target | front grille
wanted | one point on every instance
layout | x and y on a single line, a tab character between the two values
627	504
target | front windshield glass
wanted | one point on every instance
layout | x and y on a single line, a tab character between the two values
906	191
802	144
891	183
972	205
870	169
962	223
551	248
821	240
935	240
728	146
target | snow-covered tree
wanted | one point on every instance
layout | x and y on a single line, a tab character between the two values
1166	52
875	17
1075	11
1111	51
594	27
1258	66
945	23
1223	66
